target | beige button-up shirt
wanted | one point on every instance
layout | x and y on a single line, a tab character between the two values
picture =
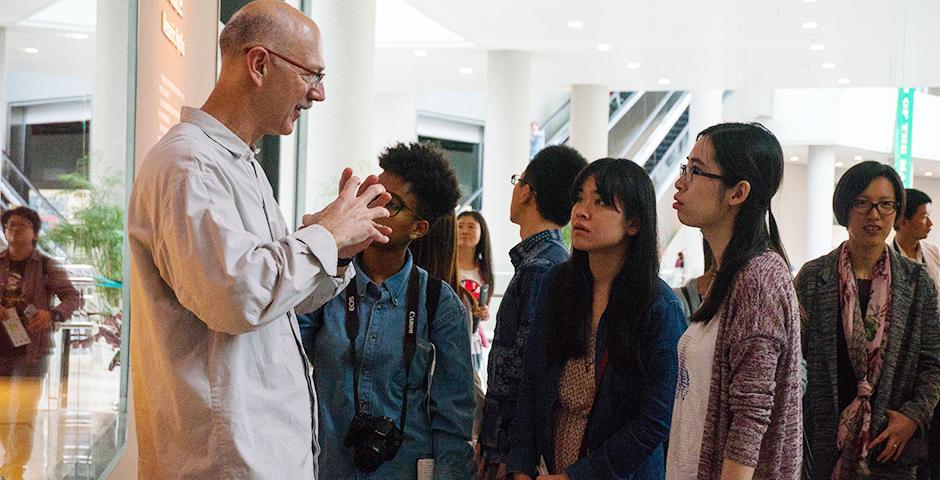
221	382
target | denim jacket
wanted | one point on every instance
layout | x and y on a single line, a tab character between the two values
437	428
631	414
532	259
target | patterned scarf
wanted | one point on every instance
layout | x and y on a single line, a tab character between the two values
865	337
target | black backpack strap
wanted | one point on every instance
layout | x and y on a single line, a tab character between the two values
687	295
432	296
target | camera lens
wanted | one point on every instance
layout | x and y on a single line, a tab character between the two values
367	458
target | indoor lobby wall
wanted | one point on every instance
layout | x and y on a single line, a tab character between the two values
167	78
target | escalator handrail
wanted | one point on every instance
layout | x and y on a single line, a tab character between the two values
661	130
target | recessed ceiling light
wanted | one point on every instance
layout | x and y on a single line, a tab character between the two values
30	50
809	25
664	81
817	47
794	159
421	53
858	158
633	65
840	164
74	36
603	47
845	81
828	65
466	70
929	174
576	24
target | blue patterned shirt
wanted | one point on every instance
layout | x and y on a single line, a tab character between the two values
532	259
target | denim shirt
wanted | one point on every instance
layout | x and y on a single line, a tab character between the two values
532	259
438	428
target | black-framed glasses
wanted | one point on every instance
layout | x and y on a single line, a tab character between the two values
885	207
18	225
309	76
396	204
517	179
690	173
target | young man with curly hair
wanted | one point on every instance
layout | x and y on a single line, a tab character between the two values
362	352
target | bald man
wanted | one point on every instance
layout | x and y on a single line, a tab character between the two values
221	382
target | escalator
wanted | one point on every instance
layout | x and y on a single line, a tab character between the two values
651	128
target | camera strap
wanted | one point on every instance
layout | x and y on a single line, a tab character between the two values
410	335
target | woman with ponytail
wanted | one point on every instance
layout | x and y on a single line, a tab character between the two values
870	338
737	412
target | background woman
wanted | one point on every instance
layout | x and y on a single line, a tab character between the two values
870	339
475	271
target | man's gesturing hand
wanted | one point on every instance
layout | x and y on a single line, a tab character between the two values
351	217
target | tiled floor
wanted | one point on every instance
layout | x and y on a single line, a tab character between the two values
79	440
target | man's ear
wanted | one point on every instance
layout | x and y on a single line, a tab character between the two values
256	61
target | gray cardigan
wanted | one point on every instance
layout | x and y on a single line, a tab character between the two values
910	378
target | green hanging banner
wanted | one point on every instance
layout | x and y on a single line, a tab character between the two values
903	132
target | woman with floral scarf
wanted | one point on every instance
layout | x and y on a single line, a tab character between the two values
870	339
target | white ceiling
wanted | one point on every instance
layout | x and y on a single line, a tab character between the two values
49	36
729	44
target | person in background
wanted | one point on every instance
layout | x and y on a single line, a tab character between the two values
475	271
911	231
391	356
870	339
912	228
599	376
436	252
691	294
536	139
29	280
541	206
737	412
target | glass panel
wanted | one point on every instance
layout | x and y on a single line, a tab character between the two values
64	120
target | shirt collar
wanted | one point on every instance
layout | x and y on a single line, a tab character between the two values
217	131
530	246
395	284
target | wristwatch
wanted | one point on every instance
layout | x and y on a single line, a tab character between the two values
57	316
343	262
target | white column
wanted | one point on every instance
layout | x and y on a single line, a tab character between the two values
590	112
505	147
705	109
820	185
340	128
108	149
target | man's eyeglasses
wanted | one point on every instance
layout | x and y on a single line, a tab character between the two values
885	207
518	180
396	204
17	225
309	76
690	173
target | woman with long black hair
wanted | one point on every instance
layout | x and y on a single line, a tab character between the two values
600	362
737	412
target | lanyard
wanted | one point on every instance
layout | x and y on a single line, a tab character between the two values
410	336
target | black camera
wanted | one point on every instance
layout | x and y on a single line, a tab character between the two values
376	440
